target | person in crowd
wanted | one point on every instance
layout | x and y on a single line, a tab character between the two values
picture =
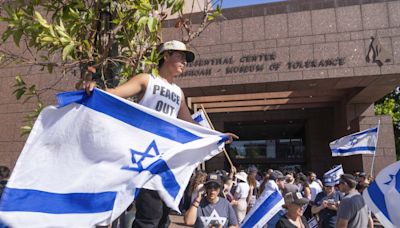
4	175
276	181
326	204
352	211
151	91
360	188
252	196
290	186
240	196
303	185
227	186
315	185
294	204
362	178
253	172
196	184
211	210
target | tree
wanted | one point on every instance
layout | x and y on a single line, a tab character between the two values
390	105
111	40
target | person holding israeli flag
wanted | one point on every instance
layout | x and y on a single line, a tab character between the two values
162	95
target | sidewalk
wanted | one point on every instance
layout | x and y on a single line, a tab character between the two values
176	221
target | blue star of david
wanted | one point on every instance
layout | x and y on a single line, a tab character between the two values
395	178
143	156
353	140
158	167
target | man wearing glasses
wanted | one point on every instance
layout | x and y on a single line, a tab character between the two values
210	210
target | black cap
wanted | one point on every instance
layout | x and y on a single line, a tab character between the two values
213	178
276	175
349	179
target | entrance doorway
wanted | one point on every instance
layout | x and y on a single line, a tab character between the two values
268	145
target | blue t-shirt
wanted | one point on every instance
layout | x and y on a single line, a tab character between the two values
327	216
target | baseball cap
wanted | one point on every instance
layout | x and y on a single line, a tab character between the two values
295	197
329	181
349	179
174	45
213	178
276	175
362	174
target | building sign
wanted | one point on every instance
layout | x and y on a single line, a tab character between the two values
254	63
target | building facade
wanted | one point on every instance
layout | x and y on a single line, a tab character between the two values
292	76
287	77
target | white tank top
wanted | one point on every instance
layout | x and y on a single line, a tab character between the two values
162	96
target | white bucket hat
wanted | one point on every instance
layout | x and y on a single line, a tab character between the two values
241	176
175	45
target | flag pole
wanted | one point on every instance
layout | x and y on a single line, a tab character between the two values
376	146
212	126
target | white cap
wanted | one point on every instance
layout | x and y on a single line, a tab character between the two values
175	45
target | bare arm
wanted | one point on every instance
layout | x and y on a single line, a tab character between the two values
191	214
184	113
135	86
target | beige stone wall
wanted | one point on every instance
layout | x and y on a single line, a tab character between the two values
298	36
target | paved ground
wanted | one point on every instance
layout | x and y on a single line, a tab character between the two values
176	221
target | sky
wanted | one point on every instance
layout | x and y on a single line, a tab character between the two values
237	3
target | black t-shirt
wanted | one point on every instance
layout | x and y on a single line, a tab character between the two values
327	216
285	223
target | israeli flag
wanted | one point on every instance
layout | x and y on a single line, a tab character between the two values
334	174
84	160
363	142
383	196
267	207
200	117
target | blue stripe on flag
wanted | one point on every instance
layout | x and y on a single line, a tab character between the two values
56	203
264	208
334	170
354	149
378	198
198	119
369	130
397	184
128	114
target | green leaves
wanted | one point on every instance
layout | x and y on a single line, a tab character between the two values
67	51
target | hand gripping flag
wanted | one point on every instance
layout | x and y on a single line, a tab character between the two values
383	196
334	174
363	142
268	207
84	159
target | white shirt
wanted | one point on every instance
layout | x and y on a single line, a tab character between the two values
162	96
242	190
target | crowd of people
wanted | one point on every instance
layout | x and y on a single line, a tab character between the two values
223	199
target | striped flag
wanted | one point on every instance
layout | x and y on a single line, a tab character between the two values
363	142
267	207
84	160
334	174
383	196
201	118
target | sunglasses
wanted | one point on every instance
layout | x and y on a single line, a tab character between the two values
212	186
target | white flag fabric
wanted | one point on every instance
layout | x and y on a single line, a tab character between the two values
383	196
267	207
363	142
201	118
84	159
334	174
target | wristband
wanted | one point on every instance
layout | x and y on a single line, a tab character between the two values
196	206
